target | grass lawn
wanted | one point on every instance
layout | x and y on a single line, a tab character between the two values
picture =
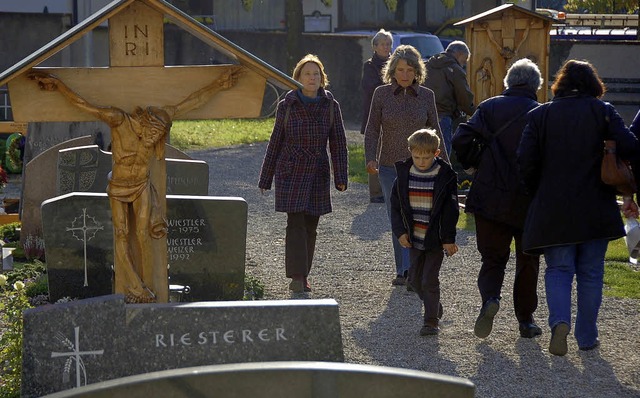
621	280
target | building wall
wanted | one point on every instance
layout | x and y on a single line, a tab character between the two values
342	55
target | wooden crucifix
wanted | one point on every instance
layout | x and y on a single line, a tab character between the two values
139	98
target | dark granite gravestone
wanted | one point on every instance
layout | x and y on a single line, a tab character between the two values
39	183
44	135
206	245
85	169
110	339
72	344
266	380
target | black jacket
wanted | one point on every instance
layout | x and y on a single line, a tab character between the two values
497	192
371	78
560	156
444	214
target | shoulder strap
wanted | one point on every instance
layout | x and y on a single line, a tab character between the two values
509	123
331	114
286	115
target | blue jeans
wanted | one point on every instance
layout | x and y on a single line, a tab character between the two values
446	125
586	261
387	176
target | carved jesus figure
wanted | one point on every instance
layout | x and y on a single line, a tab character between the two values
137	139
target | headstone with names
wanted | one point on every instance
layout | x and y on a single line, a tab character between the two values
44	135
206	245
86	169
40	181
88	341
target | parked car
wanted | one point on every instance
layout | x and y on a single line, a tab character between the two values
426	43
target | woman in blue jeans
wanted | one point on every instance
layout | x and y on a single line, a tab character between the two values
573	214
398	108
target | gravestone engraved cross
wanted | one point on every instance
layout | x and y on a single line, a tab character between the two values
74	355
86	230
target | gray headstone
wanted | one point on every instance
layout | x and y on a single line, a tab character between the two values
72	344
206	245
39	178
266	380
85	169
44	135
113	339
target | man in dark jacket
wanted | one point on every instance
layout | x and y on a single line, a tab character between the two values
497	198
448	80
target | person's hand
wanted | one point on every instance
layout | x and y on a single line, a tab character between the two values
404	241
629	207
372	167
450	249
341	187
45	81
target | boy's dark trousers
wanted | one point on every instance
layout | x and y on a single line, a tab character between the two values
494	244
424	278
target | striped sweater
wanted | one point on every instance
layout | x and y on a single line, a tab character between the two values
421	200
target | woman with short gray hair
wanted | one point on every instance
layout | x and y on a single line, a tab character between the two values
381	44
497	198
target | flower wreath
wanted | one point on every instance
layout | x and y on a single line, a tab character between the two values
13	153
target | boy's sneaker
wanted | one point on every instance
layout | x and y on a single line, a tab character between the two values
558	343
429	330
484	323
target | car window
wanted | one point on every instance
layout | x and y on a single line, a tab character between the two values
426	45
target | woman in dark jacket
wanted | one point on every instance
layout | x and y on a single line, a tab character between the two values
297	156
497	198
573	214
371	78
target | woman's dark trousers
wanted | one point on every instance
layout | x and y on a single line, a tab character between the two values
494	241
300	243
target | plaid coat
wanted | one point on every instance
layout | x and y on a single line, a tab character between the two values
297	155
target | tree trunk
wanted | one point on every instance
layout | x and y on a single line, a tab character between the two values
399	14
421	14
295	27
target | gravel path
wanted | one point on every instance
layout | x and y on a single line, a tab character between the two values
380	323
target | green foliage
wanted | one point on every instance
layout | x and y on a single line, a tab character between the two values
25	271
253	288
621	280
10	232
357	170
391	5
204	134
13	301
38	286
602	6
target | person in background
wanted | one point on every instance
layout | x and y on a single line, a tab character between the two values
398	108
573	214
371	78
448	80
497	197
424	214
306	119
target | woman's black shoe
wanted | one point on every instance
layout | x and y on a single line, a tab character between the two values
529	330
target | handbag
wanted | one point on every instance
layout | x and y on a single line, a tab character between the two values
617	172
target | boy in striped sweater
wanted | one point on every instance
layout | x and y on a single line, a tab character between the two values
424	214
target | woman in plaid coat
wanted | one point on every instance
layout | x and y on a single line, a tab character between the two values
297	156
